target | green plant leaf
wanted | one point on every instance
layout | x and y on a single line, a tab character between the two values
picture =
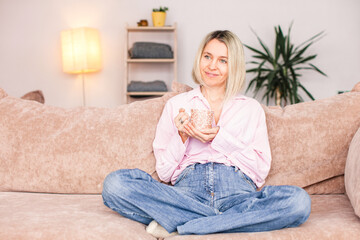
261	54
268	53
280	71
317	69
306	91
314	38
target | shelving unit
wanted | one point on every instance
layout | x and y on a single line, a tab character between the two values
144	31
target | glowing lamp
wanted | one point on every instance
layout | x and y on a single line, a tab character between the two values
81	52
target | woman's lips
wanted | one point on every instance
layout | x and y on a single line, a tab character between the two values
211	74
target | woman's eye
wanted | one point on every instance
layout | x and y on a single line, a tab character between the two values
223	61
206	56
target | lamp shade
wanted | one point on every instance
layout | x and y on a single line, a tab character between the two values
81	50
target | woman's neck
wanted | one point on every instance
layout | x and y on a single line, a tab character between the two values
213	95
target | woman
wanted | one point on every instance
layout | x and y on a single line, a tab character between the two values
215	172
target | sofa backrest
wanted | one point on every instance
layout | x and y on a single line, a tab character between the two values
309	141
52	149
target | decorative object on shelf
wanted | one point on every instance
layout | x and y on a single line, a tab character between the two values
278	73
142	23
81	52
159	16
150	50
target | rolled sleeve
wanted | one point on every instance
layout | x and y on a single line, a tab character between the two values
168	147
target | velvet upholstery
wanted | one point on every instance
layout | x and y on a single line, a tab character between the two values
63	216
352	173
331	218
52	149
329	186
55	150
2	93
309	141
356	88
26	216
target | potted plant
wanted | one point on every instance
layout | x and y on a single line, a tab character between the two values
159	16
279	72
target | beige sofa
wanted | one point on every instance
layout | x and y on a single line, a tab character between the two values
53	162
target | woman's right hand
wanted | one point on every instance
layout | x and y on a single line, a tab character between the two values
181	120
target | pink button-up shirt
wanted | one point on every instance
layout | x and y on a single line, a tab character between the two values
242	140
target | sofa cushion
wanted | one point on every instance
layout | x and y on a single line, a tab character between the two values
309	141
63	216
331	218
52	149
352	173
333	185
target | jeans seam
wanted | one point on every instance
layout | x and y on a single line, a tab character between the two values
130	213
251	185
244	177
187	171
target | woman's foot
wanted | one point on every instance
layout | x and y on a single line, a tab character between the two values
158	231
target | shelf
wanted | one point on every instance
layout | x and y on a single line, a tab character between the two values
150	60
145	93
141	29
148	69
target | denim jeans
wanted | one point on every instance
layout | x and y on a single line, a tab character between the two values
206	198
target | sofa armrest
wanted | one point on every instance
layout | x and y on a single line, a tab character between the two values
352	170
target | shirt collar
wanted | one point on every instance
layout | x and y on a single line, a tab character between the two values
196	93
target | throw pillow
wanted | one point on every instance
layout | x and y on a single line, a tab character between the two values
309	141
352	170
35	96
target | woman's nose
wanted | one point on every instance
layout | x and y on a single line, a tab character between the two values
212	64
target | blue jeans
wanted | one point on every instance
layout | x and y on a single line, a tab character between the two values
206	198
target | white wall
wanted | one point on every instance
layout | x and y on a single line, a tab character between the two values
30	40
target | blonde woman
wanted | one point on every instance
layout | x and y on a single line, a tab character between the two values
214	173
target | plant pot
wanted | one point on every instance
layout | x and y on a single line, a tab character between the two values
158	19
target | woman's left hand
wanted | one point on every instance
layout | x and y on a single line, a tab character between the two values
205	135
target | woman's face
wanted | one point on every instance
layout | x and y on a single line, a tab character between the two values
214	64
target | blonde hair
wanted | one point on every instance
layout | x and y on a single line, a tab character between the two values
236	62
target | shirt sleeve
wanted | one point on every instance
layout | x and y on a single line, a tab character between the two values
248	148
168	147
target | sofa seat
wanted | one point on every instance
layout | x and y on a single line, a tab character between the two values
63	216
71	216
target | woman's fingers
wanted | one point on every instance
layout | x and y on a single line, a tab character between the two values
183	124
200	135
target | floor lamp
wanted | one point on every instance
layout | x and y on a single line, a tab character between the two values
81	52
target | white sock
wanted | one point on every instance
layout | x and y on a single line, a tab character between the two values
158	231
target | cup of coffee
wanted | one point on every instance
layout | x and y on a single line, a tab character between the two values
202	118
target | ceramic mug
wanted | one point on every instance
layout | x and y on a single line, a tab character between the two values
201	118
